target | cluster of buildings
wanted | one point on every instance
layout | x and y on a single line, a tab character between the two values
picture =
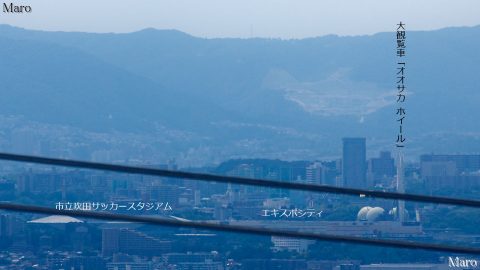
60	242
436	171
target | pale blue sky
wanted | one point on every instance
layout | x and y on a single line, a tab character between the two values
247	18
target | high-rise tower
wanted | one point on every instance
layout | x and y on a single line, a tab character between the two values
354	169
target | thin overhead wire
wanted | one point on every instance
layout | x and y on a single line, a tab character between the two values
241	229
236	180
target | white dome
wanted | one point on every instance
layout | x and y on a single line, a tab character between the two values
362	214
374	213
56	219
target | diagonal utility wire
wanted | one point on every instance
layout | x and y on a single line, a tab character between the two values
241	229
236	180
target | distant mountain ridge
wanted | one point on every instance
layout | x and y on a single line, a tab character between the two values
248	97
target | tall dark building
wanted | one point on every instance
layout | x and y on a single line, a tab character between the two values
354	169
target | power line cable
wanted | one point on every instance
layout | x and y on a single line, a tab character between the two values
236	180
241	229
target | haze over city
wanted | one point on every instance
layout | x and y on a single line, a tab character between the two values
304	121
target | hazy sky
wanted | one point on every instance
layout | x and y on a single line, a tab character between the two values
247	18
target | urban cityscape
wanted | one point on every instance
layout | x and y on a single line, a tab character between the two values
32	241
239	135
